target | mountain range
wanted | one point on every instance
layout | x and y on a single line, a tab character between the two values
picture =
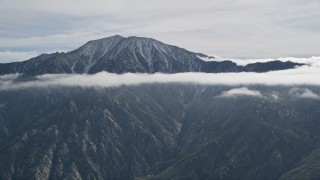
154	130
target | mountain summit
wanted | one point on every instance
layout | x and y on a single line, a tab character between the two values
119	54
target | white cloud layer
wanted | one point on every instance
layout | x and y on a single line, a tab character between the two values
304	93
103	79
243	91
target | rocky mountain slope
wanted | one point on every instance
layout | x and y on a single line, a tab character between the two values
159	131
118	54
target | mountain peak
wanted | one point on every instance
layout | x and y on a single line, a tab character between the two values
107	42
112	37
106	39
140	38
117	54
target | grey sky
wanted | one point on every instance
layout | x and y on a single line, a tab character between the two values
228	28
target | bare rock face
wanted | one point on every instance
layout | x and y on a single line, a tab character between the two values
157	132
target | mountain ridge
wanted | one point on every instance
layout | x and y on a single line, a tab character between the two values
117	54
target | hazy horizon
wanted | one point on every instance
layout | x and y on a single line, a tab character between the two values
231	29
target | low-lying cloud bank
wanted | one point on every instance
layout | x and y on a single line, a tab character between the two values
295	77
243	91
296	92
304	93
103	79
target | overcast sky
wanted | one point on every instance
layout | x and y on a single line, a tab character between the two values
227	28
